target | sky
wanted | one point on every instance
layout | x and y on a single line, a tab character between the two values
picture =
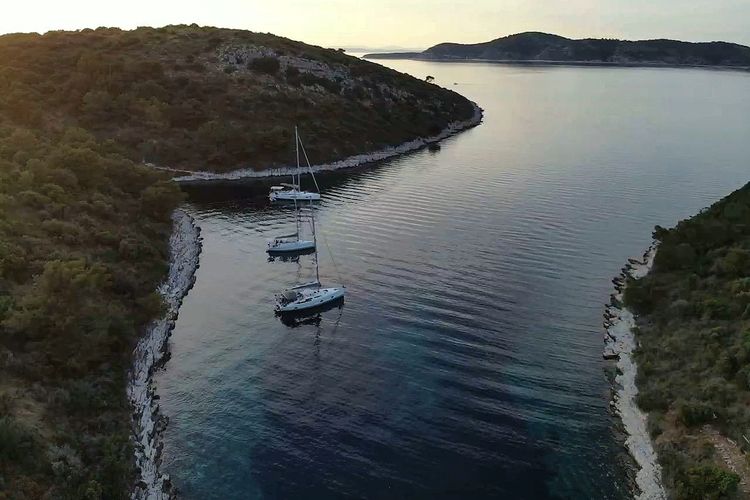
413	24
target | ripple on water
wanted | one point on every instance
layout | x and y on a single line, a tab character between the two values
466	360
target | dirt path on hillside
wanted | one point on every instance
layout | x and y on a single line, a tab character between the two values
731	454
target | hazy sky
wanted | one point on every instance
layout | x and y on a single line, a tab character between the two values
403	23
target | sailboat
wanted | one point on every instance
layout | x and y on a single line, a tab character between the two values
309	296
291	244
289	192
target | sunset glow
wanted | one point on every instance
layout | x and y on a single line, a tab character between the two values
391	23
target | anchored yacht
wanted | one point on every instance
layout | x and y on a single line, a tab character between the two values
289	192
291	244
293	191
308	296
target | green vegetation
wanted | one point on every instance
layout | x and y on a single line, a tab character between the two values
706	482
694	353
206	98
83	235
84	225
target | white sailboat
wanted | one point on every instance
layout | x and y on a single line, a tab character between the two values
308	296
292	192
291	243
311	295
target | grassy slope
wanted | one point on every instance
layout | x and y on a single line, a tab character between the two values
84	229
195	98
694	353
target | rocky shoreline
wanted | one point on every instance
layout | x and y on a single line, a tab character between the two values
151	353
350	162
619	344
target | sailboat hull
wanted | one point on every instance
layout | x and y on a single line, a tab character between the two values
311	298
293	196
291	247
308	316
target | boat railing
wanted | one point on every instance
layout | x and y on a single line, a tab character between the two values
306	285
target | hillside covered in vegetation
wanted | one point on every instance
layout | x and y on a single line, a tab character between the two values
84	226
533	46
694	347
83	246
215	99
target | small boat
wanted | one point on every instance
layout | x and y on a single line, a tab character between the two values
434	147
293	192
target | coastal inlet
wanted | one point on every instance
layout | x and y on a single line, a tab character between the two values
467	359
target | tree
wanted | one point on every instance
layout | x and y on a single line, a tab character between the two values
159	200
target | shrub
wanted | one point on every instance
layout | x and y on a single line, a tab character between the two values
680	308
693	413
267	64
717	308
638	295
736	263
15	441
679	256
292	73
83	397
707	482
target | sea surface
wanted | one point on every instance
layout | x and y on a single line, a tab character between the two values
466	360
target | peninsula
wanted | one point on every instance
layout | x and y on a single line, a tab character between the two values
85	226
213	99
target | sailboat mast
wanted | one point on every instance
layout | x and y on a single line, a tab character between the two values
296	218
315	242
309	167
296	147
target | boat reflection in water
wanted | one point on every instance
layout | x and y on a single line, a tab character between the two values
312	316
289	256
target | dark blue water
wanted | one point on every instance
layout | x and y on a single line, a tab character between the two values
466	362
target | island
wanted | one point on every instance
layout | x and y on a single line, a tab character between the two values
693	350
90	124
535	47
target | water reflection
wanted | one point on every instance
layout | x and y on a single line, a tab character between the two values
289	256
252	193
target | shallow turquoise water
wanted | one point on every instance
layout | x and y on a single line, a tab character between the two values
466	362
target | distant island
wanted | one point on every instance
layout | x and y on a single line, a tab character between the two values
547	48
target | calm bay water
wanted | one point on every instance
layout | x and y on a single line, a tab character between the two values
466	362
